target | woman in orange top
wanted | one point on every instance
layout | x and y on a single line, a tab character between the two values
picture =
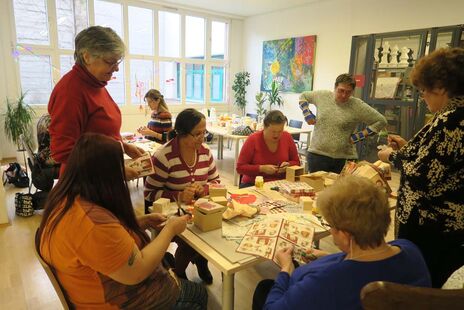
96	246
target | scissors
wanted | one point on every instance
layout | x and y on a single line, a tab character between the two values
179	208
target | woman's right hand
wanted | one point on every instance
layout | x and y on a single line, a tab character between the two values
396	142
177	224
268	169
188	194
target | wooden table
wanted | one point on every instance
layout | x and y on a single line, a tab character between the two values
222	133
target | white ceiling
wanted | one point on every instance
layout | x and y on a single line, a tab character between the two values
239	8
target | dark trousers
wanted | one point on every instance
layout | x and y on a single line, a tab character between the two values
260	295
442	254
318	162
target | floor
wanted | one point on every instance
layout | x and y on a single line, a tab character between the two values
24	284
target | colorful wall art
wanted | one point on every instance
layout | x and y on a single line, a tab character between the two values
290	62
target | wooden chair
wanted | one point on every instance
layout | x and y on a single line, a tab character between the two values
51	276
382	295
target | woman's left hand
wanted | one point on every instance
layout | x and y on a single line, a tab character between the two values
133	151
152	220
384	154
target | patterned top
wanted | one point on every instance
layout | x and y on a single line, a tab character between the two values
172	174
431	192
160	122
336	122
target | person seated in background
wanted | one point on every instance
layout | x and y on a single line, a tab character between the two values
357	213
183	169
161	120
267	152
98	248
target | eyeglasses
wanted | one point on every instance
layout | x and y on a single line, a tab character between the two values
114	63
198	135
344	91
324	223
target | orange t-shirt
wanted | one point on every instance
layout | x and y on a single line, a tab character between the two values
90	243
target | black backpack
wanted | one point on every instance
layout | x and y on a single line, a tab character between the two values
16	175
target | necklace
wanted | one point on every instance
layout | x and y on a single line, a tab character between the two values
371	253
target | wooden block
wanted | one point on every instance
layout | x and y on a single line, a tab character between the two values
220	200
315	181
216	190
306	203
161	205
293	173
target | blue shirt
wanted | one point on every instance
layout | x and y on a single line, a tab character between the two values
331	282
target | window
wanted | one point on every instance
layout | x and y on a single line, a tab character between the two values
217	84
140	31
194	37
194	78
31	19
218	40
66	64
141	79
109	14
169	73
36	77
169	34
116	85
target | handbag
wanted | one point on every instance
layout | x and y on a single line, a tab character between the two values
24	205
16	175
242	131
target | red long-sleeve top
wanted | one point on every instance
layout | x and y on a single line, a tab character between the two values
80	103
255	152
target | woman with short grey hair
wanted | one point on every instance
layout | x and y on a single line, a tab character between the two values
80	103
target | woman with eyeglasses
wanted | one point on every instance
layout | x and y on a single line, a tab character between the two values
357	213
335	124
268	152
184	167
161	120
80	102
97	247
430	207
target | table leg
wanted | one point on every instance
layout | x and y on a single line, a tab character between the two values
237	142
220	146
228	292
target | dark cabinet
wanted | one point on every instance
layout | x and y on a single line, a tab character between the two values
382	63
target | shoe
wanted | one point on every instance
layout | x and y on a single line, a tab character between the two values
168	261
203	270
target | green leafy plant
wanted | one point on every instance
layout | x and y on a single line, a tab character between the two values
241	81
260	101
273	96
18	121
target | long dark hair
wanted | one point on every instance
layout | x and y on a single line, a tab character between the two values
95	172
185	122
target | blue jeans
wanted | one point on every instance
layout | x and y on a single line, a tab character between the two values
318	162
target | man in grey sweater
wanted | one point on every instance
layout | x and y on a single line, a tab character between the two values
338	115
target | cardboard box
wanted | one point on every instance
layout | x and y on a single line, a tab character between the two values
314	180
220	200
293	173
207	216
217	190
161	205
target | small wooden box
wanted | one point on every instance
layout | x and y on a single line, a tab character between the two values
220	200
160	205
315	181
208	216
293	173
306	203
217	190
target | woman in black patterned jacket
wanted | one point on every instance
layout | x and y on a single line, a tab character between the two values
430	208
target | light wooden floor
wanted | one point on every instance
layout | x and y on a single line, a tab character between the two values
24	284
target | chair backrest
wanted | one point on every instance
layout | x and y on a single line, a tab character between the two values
382	295
51	276
295	124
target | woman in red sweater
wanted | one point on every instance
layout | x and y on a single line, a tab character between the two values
80	103
268	152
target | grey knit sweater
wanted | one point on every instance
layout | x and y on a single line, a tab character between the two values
336	122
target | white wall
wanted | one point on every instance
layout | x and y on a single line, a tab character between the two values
334	22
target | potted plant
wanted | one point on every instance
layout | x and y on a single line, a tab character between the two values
18	121
260	101
273	96
241	81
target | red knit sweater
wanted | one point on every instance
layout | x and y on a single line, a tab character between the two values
255	152
80	103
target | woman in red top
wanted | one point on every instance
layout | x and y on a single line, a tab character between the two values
80	103
268	152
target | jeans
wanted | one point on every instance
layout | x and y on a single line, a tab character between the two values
318	162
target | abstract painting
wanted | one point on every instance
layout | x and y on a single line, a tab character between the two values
290	62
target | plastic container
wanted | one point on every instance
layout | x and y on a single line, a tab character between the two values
259	182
